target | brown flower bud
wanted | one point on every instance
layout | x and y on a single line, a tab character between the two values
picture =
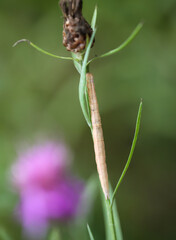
75	28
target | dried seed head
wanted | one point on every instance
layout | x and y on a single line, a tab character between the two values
75	28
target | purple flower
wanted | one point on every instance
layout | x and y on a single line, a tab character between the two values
41	165
47	192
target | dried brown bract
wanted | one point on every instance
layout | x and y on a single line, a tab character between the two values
75	28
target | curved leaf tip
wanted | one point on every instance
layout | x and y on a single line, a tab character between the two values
20	41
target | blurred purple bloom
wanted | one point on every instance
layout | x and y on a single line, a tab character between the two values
41	165
47	191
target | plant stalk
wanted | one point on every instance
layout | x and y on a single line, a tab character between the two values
112	230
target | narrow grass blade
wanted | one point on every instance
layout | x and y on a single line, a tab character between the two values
41	50
88	107
117	221
110	227
123	45
82	83
90	233
105	213
131	151
94	19
109	210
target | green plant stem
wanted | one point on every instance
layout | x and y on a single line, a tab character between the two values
82	82
112	230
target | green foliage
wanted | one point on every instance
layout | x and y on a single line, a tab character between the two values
117	221
90	232
38	95
94	19
111	219
123	45
82	83
77	60
106	210
131	152
41	50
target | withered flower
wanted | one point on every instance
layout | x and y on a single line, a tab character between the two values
75	28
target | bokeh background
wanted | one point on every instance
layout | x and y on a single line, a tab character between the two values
39	96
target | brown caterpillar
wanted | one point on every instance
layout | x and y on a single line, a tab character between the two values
97	132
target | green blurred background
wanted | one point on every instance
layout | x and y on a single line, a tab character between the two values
39	96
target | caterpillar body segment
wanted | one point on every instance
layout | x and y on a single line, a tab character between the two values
97	133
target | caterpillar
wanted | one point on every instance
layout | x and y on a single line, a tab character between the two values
97	133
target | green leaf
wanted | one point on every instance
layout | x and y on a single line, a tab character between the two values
94	19
41	50
111	217
123	45
90	233
88	106
77	60
106	219
82	83
131	151
4	235
117	221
